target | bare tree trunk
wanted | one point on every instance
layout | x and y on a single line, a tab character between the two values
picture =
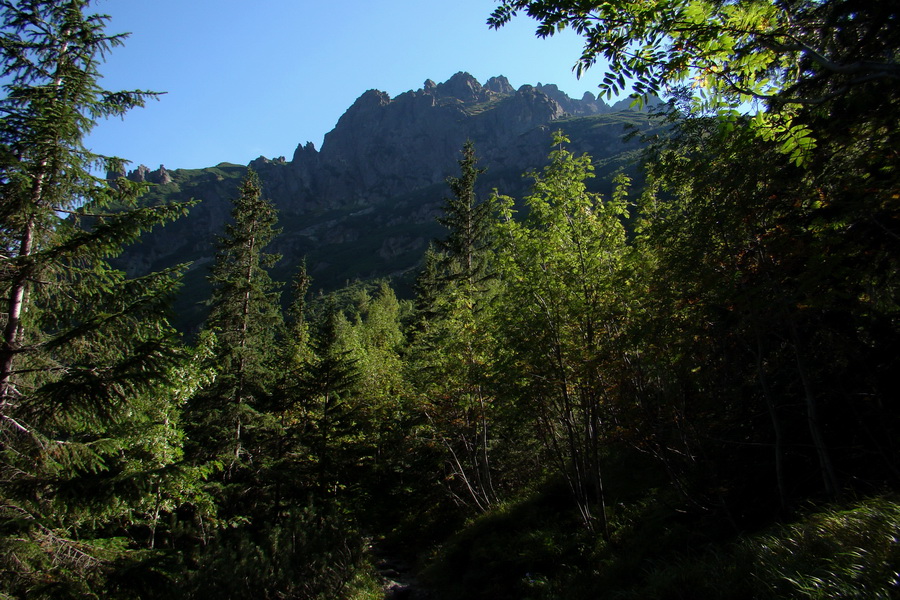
19	288
773	415
487	480
17	294
829	478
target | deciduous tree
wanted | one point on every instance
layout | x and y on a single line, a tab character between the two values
565	308
789	55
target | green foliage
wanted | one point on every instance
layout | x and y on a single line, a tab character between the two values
468	223
510	551
297	334
837	553
532	549
759	273
565	267
454	350
329	412
723	55
228	417
685	371
91	373
307	555
244	306
844	552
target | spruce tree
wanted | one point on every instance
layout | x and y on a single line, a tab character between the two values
454	352
468	223
296	334
228	417
325	389
284	474
86	354
244	311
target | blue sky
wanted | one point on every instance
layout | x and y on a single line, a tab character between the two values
246	79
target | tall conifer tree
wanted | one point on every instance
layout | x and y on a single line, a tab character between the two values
468	223
324	391
244	318
84	348
455	345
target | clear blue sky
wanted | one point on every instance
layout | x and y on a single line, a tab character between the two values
246	79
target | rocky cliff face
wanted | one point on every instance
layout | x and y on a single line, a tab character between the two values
364	205
384	146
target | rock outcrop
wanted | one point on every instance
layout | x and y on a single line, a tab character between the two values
142	174
384	146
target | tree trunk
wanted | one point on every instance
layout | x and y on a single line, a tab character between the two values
829	478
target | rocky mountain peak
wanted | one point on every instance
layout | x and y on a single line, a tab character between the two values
371	99
462	86
465	90
261	162
382	147
588	105
305	152
499	85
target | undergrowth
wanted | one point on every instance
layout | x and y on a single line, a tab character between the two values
536	550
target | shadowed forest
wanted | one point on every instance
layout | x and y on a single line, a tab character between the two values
681	389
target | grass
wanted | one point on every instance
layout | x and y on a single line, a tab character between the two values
847	552
536	550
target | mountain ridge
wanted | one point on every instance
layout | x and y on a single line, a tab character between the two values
458	93
364	205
